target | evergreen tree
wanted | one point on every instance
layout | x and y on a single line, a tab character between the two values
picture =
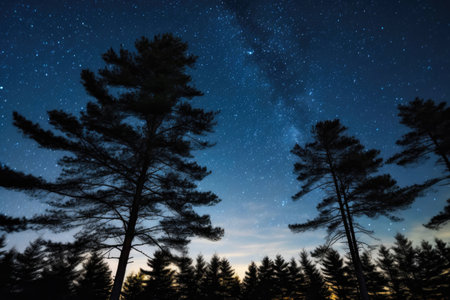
265	279
280	277
375	281
250	283
387	264
128	173
337	275
95	281
212	282
160	282
340	165
430	133
28	270
227	281
133	287
444	261
432	271
61	271
185	279
7	271
200	277
296	281
316	287
406	260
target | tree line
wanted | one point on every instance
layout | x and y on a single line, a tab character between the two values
45	270
129	177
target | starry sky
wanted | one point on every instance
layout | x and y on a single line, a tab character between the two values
272	68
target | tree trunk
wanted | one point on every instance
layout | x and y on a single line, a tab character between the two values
357	263
350	238
127	243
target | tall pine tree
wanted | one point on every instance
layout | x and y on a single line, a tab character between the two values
430	134
338	164
128	175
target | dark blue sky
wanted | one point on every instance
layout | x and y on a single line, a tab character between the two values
273	68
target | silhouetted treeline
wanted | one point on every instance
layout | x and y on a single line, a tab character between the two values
54	271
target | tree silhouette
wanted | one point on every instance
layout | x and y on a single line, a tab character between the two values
343	168
60	271
296	281
432	271
161	278
29	270
430	133
315	284
185	278
7	271
250	283
128	176
337	275
280	277
430	126
406	260
212	279
229	284
200	270
386	262
95	281
444	262
375	281
265	279
133	287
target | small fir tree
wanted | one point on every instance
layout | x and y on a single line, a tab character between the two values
250	283
316	287
95	282
160	282
133	287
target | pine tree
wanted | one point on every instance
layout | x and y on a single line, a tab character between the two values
444	261
431	271
28	270
133	287
337	274
406	260
185	279
7	271
200	277
61	271
160	282
227	280
316	287
212	279
430	133
340	165
296	281
128	173
387	264
250	283
430	126
95	281
265	279
280	277
375	281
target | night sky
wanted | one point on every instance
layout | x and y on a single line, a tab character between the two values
272	68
